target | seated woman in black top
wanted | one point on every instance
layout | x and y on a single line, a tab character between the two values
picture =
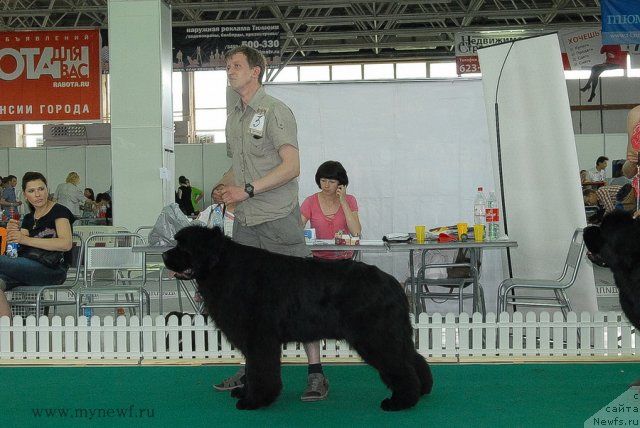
46	227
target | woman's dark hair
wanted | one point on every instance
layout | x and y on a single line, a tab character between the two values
32	176
182	179
103	197
92	195
333	170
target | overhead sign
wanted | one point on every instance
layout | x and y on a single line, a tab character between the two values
50	76
620	21
203	48
581	48
467	45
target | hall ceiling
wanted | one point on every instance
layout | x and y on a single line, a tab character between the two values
331	30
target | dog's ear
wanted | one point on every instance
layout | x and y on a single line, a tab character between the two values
208	255
593	239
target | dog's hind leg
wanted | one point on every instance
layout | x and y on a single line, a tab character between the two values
424	373
397	371
263	376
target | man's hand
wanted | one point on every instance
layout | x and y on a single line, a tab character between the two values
216	195
231	194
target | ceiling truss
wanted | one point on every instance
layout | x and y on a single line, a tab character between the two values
323	31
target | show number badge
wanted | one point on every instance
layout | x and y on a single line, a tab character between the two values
256	127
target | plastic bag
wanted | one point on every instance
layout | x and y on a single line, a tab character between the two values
434	257
170	220
213	216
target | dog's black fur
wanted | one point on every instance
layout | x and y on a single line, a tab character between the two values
615	241
261	300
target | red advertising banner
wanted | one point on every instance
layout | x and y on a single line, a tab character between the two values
50	76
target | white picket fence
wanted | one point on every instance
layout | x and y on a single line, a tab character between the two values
509	337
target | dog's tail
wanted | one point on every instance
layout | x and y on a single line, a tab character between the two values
424	373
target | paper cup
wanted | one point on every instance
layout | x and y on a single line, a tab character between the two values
478	232
463	228
421	232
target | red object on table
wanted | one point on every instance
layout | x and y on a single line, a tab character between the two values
445	237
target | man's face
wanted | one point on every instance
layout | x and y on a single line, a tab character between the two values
14	182
591	199
239	73
602	165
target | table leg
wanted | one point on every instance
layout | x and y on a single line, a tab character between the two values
414	285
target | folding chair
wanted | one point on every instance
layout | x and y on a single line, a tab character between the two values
461	273
508	289
47	295
123	264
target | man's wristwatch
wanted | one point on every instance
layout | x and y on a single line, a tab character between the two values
249	189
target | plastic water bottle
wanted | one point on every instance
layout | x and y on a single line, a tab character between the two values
12	249
217	218
493	217
479	207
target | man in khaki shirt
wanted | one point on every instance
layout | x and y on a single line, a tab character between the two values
262	142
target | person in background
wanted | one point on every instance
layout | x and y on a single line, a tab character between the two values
599	172
331	209
9	199
617	177
584	176
262	182
183	196
104	204
70	195
89	206
47	227
196	196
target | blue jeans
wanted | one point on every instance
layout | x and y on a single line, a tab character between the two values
23	271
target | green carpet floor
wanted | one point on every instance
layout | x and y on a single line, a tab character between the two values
515	395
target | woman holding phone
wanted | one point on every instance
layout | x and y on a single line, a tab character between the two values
331	209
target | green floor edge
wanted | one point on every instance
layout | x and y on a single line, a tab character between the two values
464	395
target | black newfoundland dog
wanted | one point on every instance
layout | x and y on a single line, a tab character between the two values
261	300
616	243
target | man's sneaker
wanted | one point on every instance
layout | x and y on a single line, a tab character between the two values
317	388
233	382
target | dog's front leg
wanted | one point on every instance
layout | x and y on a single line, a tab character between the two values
263	375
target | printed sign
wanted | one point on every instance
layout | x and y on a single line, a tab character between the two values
620	22
467	45
50	76
203	48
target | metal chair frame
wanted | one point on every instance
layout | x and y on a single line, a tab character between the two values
459	284
122	261
73	279
559	286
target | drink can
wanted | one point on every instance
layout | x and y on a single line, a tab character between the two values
12	249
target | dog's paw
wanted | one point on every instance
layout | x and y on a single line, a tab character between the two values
391	405
239	392
246	404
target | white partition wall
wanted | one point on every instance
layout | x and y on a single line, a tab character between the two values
415	152
534	139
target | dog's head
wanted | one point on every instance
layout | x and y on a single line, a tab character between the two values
198	249
615	241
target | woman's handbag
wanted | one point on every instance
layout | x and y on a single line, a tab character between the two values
50	259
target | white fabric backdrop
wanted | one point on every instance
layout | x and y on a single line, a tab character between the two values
415	152
540	165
